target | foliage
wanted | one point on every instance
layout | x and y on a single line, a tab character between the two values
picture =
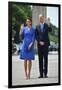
19	15
52	35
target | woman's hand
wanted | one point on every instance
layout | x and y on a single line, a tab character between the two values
21	28
30	45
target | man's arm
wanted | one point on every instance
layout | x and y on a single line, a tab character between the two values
49	28
37	37
36	34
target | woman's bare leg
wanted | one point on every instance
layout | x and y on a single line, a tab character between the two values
25	67
29	68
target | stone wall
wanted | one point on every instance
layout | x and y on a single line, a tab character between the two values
36	10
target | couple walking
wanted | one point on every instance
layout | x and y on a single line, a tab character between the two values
41	35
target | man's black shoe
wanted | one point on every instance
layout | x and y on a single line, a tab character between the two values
45	76
40	77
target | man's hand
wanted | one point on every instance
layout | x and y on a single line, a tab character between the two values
41	43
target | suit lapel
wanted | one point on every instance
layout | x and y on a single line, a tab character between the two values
39	27
43	28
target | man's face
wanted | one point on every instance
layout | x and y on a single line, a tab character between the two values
41	19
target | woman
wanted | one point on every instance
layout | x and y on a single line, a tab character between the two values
27	51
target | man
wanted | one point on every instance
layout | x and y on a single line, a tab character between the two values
42	38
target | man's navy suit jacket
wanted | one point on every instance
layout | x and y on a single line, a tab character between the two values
43	36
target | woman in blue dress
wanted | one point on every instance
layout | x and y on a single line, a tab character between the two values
27	51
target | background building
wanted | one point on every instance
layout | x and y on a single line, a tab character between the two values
36	10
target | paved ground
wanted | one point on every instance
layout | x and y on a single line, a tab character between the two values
18	71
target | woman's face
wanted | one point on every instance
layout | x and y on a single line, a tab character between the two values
28	22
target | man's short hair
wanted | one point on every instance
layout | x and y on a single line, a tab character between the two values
40	15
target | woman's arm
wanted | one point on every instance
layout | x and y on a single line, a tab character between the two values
33	39
30	45
21	33
21	28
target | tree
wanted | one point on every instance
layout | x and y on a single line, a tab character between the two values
19	15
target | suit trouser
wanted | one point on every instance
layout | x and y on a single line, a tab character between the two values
43	59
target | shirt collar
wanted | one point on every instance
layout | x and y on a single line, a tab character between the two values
41	23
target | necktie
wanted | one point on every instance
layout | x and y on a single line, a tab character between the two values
42	25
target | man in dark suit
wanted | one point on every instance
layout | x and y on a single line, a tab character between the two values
43	42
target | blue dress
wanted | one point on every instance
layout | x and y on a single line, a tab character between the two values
29	36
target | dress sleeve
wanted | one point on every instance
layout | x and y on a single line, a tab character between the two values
33	37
